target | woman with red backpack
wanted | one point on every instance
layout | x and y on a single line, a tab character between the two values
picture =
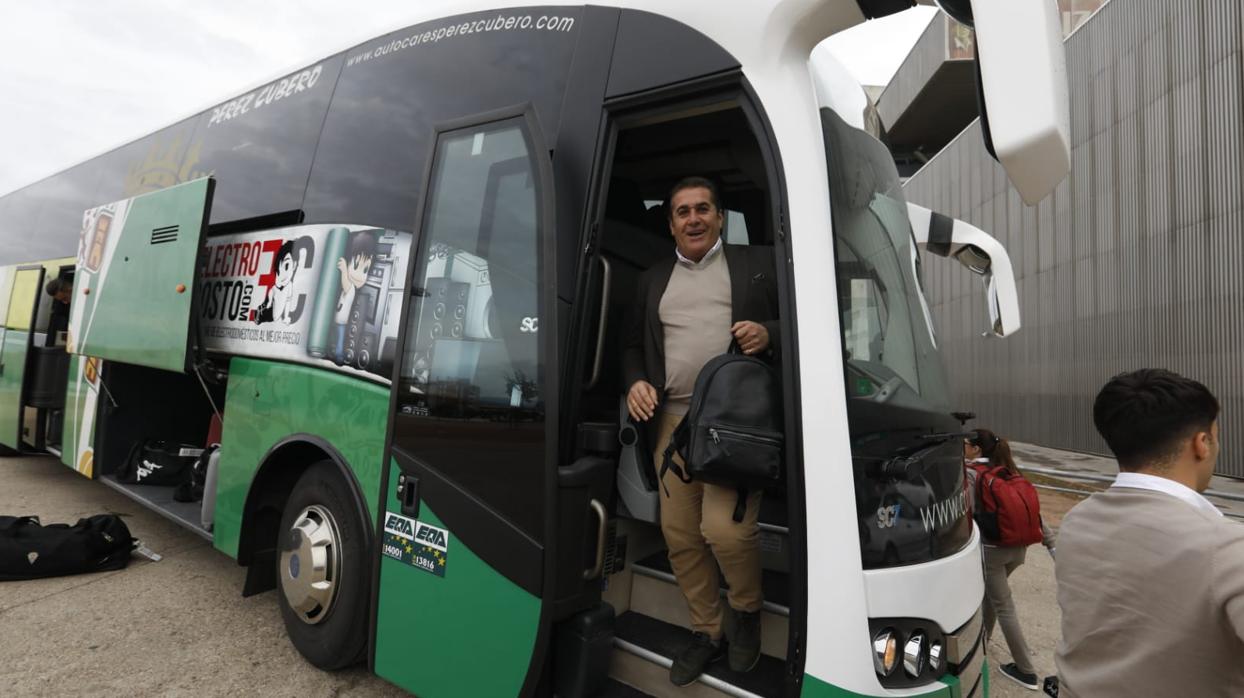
1009	517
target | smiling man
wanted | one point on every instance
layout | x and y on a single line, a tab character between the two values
687	310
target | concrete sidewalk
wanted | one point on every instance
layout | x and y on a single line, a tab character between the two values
1091	472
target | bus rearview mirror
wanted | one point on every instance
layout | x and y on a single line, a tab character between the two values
1022	90
981	254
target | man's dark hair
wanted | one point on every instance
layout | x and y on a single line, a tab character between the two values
1145	415
692	183
55	286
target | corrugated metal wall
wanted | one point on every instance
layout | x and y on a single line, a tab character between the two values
1137	259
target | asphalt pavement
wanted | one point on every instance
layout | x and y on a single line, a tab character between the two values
178	627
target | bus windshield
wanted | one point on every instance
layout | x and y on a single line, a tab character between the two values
887	330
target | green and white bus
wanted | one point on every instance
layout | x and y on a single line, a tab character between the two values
390	286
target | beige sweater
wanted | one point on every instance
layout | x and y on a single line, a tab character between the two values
1152	596
695	317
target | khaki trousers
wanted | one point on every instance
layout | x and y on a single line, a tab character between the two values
1000	562
700	531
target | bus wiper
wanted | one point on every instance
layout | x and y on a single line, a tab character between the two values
947	436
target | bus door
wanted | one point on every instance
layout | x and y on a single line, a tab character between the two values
467	504
21	304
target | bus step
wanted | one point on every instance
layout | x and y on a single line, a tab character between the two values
774	584
617	689
657	642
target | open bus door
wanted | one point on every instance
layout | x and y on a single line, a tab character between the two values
18	332
467	503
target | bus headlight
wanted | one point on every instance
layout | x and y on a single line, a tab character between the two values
916	653
935	655
885	652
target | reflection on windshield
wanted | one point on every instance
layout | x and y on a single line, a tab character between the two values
887	330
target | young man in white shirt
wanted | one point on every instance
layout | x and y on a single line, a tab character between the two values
1150	574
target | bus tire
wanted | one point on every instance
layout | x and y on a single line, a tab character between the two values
323	576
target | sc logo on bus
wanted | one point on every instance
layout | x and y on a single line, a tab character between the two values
888	516
529	325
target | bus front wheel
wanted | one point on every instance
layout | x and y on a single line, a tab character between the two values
322	570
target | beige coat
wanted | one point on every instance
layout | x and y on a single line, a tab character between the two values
1152	596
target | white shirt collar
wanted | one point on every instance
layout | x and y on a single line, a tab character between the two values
1153	483
703	260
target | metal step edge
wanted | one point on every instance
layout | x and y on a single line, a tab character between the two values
776	609
663	661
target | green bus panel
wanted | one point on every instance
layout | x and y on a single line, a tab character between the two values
12	370
268	402
135	277
22	298
468	632
949	688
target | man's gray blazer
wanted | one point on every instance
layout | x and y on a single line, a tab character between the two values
1152	596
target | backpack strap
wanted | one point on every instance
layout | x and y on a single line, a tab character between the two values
740	505
678	440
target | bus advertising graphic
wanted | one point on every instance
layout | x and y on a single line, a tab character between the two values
326	295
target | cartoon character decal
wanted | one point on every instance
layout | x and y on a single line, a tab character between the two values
354	267
281	303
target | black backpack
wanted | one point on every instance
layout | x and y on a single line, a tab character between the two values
732	434
29	550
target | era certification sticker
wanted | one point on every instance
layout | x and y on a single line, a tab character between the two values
415	543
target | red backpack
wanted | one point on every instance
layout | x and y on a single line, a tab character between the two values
1010	513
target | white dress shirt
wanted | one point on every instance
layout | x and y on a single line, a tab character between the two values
703	260
1143	481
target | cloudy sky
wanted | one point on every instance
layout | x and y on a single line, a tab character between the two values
80	77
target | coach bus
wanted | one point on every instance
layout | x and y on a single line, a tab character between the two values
390	286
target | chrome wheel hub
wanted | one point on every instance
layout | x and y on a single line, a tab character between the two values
311	564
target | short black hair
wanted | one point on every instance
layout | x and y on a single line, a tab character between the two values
56	285
362	242
1144	415
694	182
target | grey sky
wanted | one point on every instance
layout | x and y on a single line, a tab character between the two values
80	77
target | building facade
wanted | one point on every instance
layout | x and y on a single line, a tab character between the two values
1137	259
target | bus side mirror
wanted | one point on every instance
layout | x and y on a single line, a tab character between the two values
1021	68
980	253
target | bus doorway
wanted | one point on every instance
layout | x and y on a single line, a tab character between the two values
714	137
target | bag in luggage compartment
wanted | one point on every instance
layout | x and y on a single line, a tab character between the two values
29	550
152	462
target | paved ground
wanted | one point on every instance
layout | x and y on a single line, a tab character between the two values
180	626
176	627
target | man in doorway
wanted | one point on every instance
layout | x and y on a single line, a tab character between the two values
61	290
688	309
1150	575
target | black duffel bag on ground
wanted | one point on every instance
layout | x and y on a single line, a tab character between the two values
153	462
732	434
29	550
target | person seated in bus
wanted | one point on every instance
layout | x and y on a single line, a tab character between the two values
688	309
60	289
